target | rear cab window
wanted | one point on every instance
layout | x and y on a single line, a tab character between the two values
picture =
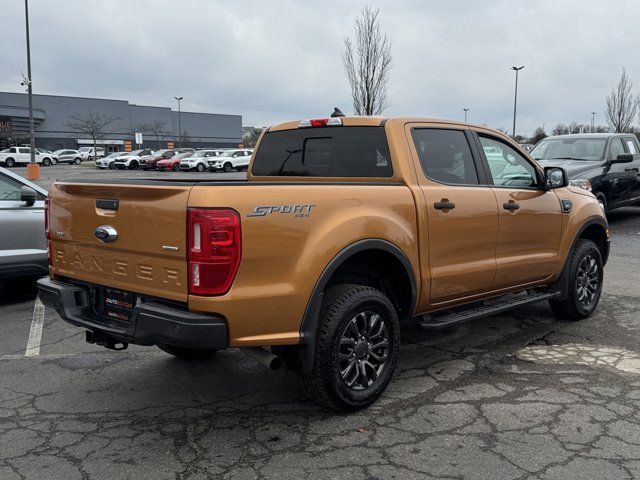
344	151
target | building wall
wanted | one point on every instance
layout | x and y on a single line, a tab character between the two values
51	114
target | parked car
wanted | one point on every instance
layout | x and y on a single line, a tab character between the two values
605	164
48	153
199	160
235	159
10	157
68	156
172	163
23	250
527	147
107	162
148	162
89	153
334	238
132	159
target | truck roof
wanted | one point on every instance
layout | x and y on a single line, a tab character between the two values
370	121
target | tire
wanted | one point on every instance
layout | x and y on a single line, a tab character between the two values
133	165
603	201
200	167
46	162
188	353
343	341
54	161
9	162
176	167
112	166
77	161
227	167
584	282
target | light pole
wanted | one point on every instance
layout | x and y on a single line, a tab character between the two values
515	99
465	114
179	122
593	121
33	169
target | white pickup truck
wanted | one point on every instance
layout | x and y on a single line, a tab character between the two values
13	156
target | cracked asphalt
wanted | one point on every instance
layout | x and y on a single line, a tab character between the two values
515	396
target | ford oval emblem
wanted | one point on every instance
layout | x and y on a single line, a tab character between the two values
106	233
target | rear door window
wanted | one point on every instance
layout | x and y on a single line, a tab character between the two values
445	156
324	152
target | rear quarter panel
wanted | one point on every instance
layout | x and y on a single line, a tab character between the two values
283	255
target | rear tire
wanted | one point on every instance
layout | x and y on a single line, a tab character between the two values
356	349
133	165
112	166
9	163
200	167
188	353
228	167
77	161
584	283
176	167
46	162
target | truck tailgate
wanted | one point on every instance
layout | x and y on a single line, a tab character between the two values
149	254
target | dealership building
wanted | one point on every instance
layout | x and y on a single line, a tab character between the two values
159	126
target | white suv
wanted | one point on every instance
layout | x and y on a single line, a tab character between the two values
131	160
199	160
88	153
237	159
13	156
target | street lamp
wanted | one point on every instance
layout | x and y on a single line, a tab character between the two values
465	114
515	99
179	120
593	121
33	169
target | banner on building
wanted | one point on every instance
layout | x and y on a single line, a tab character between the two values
6	128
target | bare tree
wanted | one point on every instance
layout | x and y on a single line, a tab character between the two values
622	105
367	63
158	130
93	125
538	134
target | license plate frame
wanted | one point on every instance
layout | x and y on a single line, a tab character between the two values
118	304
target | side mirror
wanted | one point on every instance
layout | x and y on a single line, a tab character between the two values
28	195
623	158
555	177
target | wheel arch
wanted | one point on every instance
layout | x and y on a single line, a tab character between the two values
350	261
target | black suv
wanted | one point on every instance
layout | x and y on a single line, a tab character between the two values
606	164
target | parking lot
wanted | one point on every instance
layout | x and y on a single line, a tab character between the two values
519	395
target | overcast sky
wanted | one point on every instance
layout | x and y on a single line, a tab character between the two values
271	61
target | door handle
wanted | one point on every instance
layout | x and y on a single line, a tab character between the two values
511	206
444	204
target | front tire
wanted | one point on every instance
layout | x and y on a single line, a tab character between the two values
227	167
200	167
46	162
188	353
584	282
112	166
133	165
176	167
356	349
77	161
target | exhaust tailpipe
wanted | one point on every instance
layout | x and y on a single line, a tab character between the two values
265	357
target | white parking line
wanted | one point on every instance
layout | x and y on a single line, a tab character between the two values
35	333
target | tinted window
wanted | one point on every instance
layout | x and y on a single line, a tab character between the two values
445	156
324	152
508	167
616	148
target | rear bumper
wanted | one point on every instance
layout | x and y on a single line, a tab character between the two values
28	263
152	322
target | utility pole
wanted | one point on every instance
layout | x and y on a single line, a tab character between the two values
179	122
515	99
465	114
33	169
593	121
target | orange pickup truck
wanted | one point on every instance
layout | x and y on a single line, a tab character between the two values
344	227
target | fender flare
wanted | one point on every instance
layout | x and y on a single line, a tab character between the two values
309	324
561	283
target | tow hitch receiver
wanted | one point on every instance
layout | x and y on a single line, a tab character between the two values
105	340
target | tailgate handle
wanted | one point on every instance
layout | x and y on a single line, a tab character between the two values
107	204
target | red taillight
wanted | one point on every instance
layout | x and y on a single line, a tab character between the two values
215	247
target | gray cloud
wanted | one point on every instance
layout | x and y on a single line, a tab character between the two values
273	61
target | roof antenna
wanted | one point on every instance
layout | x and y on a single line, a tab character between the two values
337	113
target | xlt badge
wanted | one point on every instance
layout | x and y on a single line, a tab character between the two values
106	233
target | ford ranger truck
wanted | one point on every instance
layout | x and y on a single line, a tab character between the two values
344	227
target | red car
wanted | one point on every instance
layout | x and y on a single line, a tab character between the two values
172	163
